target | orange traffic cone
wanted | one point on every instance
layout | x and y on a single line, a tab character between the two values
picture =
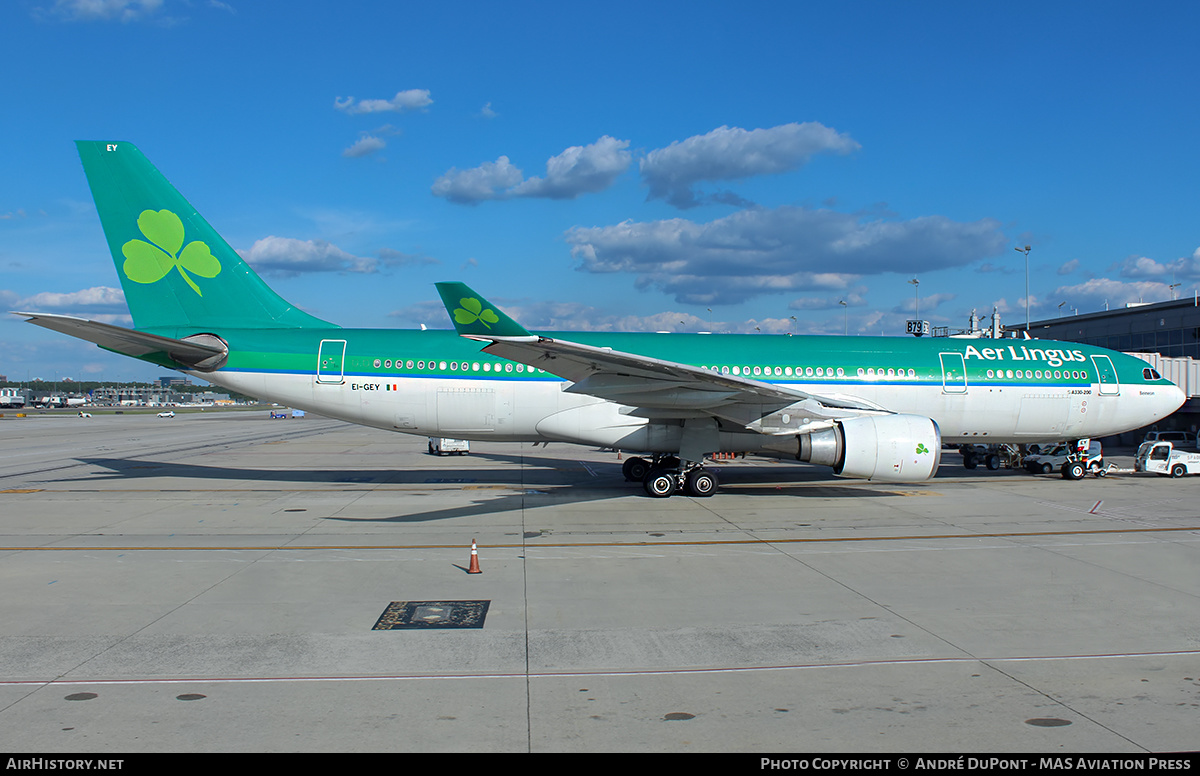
474	569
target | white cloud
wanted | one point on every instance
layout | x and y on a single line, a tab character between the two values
100	303
101	299
1069	267
1094	293
104	10
1142	267
287	257
365	146
577	170
487	112
410	99
730	153
487	181
752	252
571	316
1183	269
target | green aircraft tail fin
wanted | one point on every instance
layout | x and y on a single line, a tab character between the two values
175	269
475	315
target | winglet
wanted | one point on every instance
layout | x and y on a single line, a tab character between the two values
473	315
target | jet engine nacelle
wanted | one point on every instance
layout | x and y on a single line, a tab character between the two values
890	448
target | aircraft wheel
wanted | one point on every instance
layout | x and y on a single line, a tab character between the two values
660	483
993	462
970	462
701	483
1073	471
1178	470
635	469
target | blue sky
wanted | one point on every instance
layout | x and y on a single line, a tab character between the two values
692	166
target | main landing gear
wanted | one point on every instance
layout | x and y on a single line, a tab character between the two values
667	475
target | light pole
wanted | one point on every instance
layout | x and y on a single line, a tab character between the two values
917	290
846	310
1026	250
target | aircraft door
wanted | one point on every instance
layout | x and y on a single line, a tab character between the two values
954	373
331	361
1106	376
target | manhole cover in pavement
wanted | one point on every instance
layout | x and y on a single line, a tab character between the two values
1047	722
409	615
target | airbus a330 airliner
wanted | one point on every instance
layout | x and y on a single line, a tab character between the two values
877	408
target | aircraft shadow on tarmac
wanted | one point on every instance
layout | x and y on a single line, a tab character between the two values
539	481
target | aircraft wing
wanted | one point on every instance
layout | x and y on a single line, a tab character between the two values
655	387
126	341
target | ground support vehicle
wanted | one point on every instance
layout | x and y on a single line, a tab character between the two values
1164	459
1074	460
446	446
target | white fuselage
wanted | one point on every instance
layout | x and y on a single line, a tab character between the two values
513	410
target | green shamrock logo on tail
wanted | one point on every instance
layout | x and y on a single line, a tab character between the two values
921	448
150	262
472	311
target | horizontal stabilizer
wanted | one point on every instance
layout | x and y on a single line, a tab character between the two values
191	353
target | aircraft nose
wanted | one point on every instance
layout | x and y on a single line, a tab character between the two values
1175	398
